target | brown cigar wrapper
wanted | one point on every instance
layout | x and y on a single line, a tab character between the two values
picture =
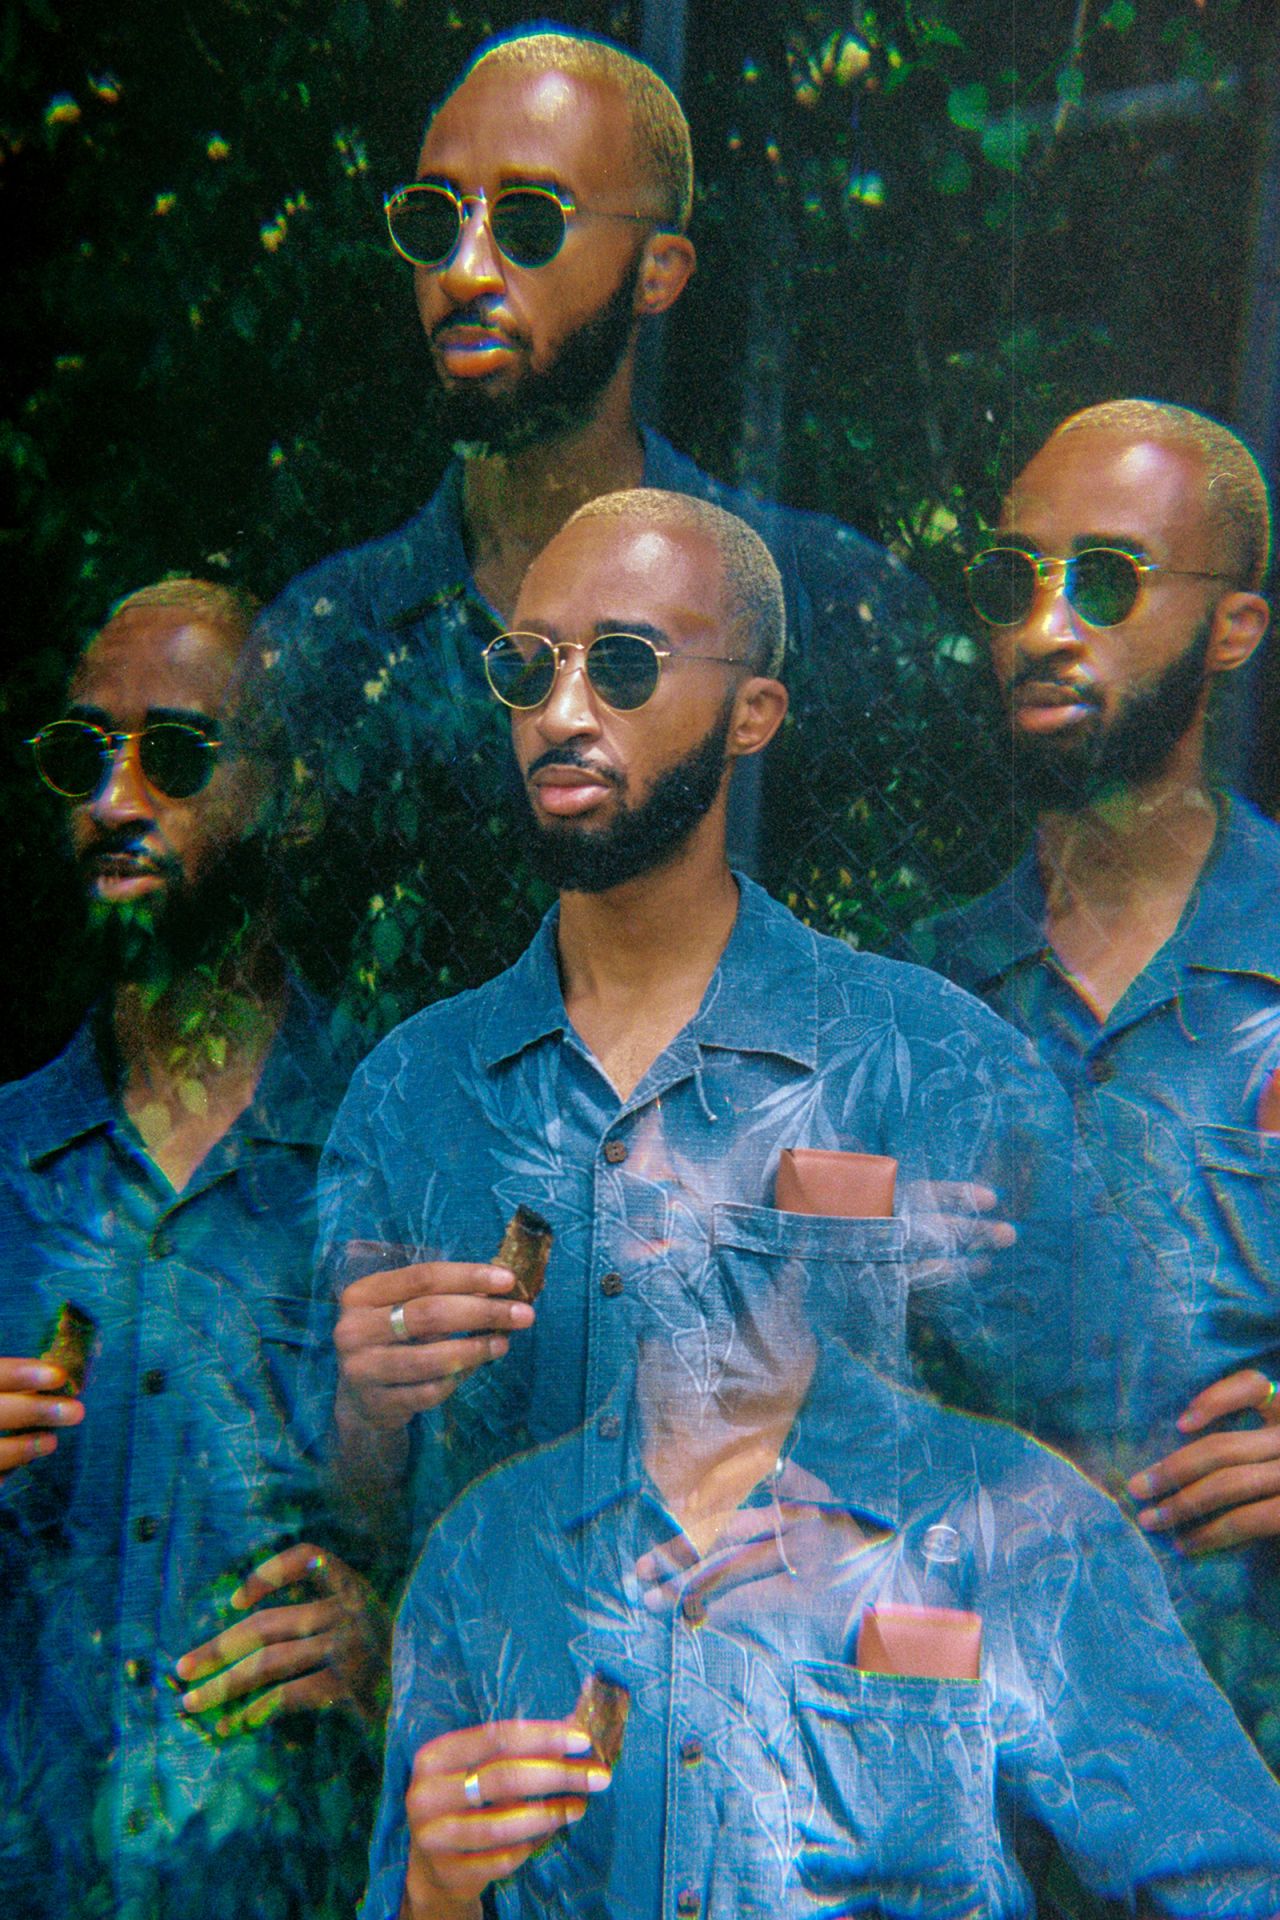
844	1186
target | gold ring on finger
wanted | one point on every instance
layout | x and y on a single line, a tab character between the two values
471	1790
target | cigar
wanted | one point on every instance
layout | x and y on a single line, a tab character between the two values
71	1345
525	1247
601	1712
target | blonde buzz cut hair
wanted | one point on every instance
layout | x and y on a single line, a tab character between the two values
1235	497
659	128
754	603
229	609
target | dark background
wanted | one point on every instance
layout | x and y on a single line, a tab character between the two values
925	234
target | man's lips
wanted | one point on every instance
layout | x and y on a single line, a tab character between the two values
1048	706
469	349
122	873
570	790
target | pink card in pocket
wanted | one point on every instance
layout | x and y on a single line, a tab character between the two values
924	1643
1268	1115
844	1186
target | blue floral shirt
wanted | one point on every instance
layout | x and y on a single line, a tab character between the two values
491	1099
1165	1094
763	1772
191	1465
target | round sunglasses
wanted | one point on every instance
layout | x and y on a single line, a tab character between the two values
1101	584
74	757
527	224
623	669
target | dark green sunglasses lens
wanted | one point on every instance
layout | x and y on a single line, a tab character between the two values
1002	586
623	669
175	760
521	676
71	759
1102	586
528	226
424	225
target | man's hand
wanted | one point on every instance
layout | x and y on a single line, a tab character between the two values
790	1552
951	1233
482	1800
407	1335
1235	1476
324	1652
30	1405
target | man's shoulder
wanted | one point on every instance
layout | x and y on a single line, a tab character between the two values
381	580
45	1108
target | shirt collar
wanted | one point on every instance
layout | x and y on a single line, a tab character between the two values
1232	921
848	1436
298	1093
762	997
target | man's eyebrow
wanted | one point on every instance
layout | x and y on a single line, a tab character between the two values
509	177
183	716
1123	542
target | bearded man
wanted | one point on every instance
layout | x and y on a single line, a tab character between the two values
1138	943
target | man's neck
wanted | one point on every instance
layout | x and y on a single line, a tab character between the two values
514	504
191	1053
1117	876
635	961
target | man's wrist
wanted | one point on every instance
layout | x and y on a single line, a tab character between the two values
423	1900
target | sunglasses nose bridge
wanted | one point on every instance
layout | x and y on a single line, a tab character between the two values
474	262
570	706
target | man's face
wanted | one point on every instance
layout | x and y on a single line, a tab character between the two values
524	352
142	854
615	795
1095	708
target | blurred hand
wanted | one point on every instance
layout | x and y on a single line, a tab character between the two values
454	1317
528	1779
1235	1476
30	1406
950	1232
329	1651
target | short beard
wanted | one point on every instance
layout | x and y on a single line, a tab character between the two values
1134	748
166	938
573	859
544	406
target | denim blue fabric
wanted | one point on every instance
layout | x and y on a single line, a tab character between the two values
763	1773
1165	1095
192	1463
491	1099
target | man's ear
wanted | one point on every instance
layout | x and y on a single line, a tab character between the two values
758	711
665	271
1239	622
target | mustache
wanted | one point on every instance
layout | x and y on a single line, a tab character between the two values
478	313
569	756
120	842
1028	672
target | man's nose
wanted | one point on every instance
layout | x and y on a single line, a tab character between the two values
1050	626
124	795
475	265
569	710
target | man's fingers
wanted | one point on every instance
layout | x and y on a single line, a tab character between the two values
397	1285
495	1829
312	1693
1207	1455
285	1569
1234	1393
410	1363
1260	1520
19	1375
266	1665
1227	1487
269	1628
23	1412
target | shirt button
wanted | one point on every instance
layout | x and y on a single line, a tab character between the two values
153	1380
139	1671
688	1903
138	1821
611	1285
146	1527
690	1751
615	1152
694	1609
609	1426
1101	1069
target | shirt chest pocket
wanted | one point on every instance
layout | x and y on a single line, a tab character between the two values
845	1277
1242	1171
895	1790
